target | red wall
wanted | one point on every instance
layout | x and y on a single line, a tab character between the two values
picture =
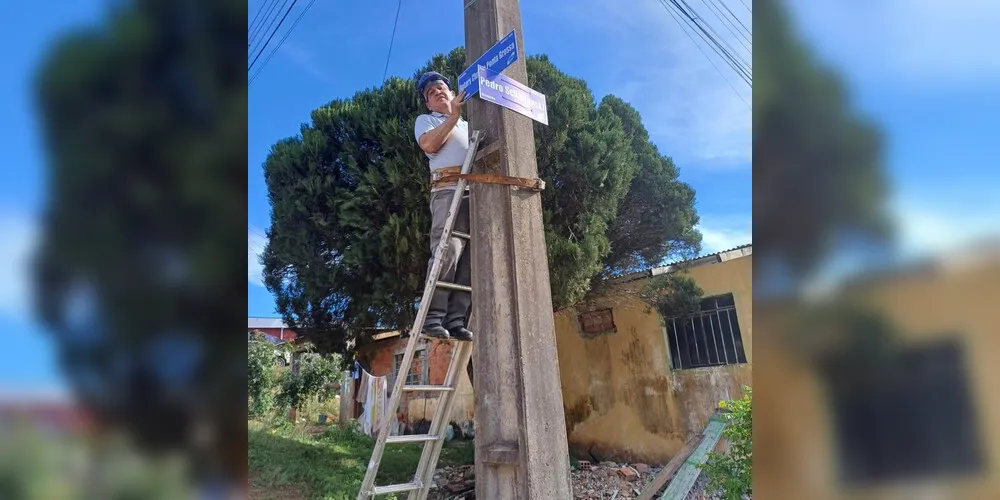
277	333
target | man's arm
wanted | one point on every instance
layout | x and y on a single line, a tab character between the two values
432	140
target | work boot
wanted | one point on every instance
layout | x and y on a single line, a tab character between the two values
436	331
461	333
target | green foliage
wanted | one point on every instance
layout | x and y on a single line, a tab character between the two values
731	474
261	376
818	165
348	246
316	378
673	295
331	464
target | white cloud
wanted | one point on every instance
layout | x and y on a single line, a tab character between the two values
20	235
687	107
918	43
724	234
926	229
256	241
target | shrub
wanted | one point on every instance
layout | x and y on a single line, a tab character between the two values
730	474
261	376
316	378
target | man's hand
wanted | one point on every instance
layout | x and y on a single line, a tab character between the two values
456	103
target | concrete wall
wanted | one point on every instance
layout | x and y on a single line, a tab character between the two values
622	399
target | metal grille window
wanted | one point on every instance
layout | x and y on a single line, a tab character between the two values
418	369
709	337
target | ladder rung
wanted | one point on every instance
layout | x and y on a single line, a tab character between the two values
411	438
453	286
395	488
459	234
427	388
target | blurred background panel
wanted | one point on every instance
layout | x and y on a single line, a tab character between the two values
878	266
124	197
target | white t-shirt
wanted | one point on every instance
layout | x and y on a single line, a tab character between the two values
452	153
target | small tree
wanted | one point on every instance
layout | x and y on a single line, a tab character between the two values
316	378
261	377
731	474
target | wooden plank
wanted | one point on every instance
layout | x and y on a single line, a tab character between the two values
668	471
689	472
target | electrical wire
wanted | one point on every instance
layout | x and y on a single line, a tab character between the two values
281	42
272	34
700	49
728	23
255	36
257	16
690	18
399	6
724	6
727	50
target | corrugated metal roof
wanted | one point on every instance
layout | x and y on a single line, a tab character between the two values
712	258
266	323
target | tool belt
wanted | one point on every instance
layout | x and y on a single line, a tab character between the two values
449	176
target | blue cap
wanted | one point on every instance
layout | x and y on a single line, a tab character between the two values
429	78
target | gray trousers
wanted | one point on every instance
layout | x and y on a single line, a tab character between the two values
450	309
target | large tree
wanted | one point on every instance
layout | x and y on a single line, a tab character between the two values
348	245
144	119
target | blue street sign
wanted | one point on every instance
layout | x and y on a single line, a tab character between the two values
496	58
506	92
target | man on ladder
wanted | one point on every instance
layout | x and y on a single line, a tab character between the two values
444	137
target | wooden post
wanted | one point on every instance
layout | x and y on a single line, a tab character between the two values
521	448
346	398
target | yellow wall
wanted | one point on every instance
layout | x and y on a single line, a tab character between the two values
622	400
796	457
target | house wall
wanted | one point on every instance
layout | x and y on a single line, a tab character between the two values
797	455
422	406
622	399
278	333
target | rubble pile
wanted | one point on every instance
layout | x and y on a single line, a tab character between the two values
603	481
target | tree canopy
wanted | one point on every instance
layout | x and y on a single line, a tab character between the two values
348	244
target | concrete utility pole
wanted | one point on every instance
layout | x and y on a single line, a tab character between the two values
521	448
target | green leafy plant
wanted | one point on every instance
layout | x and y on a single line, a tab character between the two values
316	377
673	295
261	377
731	474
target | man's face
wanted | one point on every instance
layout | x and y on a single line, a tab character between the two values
438	96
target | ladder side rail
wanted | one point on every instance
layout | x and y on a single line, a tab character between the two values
432	450
429	286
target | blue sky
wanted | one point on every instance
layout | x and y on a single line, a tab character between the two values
925	70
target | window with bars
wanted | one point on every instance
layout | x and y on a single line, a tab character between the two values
709	337
418	368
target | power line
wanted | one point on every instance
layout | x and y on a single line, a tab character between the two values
259	28
272	34
281	42
747	6
726	49
728	23
681	26
399	6
724	6
741	68
254	22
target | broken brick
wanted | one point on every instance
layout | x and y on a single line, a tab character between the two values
641	468
584	465
628	473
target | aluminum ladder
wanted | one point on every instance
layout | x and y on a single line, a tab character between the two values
432	442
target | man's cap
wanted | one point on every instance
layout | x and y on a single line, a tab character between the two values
429	78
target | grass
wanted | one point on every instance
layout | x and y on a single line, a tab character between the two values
291	463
